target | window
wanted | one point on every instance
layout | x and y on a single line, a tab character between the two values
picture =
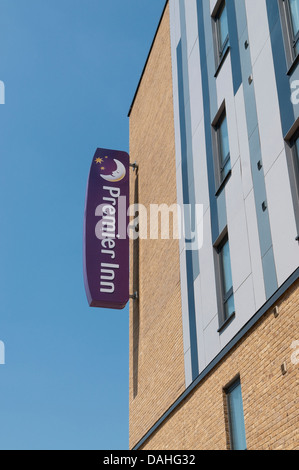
292	152
294	145
290	23
226	278
296	161
297	152
221	146
292	7
224	282
224	155
221	32
235	412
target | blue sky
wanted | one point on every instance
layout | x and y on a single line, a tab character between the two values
70	69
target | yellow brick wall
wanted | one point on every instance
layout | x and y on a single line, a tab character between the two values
270	399
156	340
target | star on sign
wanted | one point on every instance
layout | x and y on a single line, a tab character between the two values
99	160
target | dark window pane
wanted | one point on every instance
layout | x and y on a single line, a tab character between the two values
224	144
229	307
297	150
227	273
225	169
223	29
236	418
294	7
227	282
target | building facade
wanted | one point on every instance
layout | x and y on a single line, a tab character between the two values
214	123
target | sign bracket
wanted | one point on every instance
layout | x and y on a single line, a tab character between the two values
134	296
134	166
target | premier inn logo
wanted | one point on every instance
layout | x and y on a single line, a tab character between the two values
111	169
106	241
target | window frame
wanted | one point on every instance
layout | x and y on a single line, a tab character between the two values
220	49
295	158
291	41
236	382
296	152
294	38
223	296
222	160
226	296
220	163
293	167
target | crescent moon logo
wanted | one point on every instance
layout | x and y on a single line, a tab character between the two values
116	175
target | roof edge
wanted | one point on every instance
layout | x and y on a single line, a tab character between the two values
148	56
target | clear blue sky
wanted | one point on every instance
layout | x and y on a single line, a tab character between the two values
70	69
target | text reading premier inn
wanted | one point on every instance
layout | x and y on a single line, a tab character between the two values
150	459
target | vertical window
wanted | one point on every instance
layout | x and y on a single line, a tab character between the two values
292	151
223	147
221	32
293	8
236	421
227	281
297	152
221	150
290	22
296	161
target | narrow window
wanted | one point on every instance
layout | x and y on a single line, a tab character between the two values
292	152
294	145
222	29
290	23
236	421
221	34
296	162
297	152
223	148
293	9
227	281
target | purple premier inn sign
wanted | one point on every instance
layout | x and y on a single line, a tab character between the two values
106	242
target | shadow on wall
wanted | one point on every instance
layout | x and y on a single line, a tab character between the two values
136	312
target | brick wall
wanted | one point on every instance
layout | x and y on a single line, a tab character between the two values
157	375
270	398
